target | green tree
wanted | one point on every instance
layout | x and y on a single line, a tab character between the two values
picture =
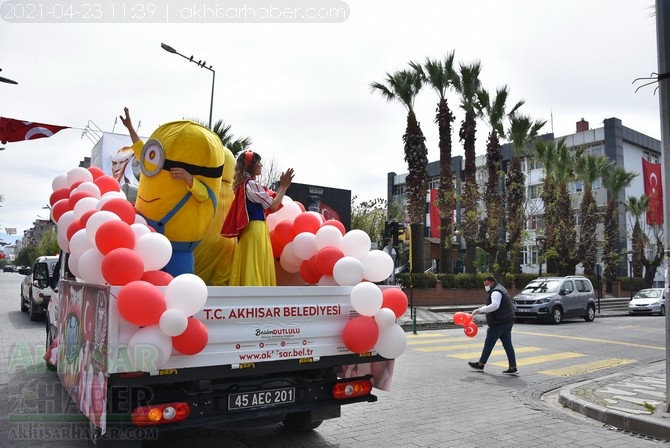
522	131
491	233
403	86
637	207
565	233
26	256
442	77
615	179
48	244
469	87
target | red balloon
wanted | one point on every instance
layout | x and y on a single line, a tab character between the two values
461	318
360	334
75	197
395	299
470	329
277	247
326	259
307	222
75	185
158	278
122	266
106	184
85	216
57	195
114	234
122	208
284	232
336	223
141	303
95	172
309	271
302	207
73	227
193	339
59	208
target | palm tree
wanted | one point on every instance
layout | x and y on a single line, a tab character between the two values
588	168
566	235
403	86
615	179
491	233
637	207
469	87
442	76
523	130
546	152
222	129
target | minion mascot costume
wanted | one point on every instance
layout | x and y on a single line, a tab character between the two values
214	255
180	213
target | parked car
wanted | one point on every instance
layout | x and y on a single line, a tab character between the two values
36	287
648	301
8	268
23	270
555	298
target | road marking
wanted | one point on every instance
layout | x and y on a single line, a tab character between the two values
605	341
496	352
429	341
588	367
561	356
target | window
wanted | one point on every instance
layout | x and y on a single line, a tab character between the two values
534	191
568	287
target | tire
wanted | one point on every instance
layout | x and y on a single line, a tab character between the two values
301	422
32	310
24	308
662	312
590	314
556	315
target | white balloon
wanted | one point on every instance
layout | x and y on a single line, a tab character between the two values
327	280
385	317
366	298
78	174
328	236
288	212
83	205
88	187
59	182
173	322
288	260
139	219
73	265
149	348
126	331
187	293
154	249
64	222
392	342
96	220
377	265
304	245
79	243
272	221
140	229
61	239
355	243
348	271
90	266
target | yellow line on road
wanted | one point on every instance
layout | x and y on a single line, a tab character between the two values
497	352
588	367
541	359
577	338
428	341
444	348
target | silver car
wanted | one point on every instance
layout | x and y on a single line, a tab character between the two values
555	298
648	301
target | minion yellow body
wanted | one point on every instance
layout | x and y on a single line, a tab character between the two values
214	255
181	213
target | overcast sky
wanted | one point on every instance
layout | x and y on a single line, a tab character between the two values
301	90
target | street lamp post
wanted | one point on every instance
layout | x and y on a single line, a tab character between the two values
202	64
629	256
540	241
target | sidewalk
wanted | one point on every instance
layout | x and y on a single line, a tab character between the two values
632	401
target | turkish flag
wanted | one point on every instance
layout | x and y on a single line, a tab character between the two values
653	189
12	130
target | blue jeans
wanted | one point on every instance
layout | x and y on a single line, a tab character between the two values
504	333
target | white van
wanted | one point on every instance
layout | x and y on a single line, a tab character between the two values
36	287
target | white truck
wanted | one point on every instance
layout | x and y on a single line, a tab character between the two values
274	354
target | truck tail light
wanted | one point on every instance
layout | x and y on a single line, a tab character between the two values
160	413
351	389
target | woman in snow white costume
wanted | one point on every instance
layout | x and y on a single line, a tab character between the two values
253	263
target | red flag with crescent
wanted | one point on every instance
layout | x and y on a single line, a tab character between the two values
653	189
12	130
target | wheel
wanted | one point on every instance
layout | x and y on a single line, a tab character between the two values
590	314
301	422
556	315
662	312
32	310
24	308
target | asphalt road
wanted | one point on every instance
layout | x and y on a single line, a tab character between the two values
436	399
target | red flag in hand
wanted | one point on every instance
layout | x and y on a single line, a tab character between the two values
12	130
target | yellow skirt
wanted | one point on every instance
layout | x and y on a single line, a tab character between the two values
253	263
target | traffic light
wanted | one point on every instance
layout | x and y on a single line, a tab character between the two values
398	229
388	229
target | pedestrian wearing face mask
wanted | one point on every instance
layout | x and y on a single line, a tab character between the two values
499	311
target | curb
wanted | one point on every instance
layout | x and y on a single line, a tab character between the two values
639	424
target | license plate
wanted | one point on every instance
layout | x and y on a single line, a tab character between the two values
262	398
641	309
524	310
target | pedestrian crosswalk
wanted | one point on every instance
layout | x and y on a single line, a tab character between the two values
548	360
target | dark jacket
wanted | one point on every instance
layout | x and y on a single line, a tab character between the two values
505	312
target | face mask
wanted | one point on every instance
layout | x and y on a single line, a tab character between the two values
487	288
